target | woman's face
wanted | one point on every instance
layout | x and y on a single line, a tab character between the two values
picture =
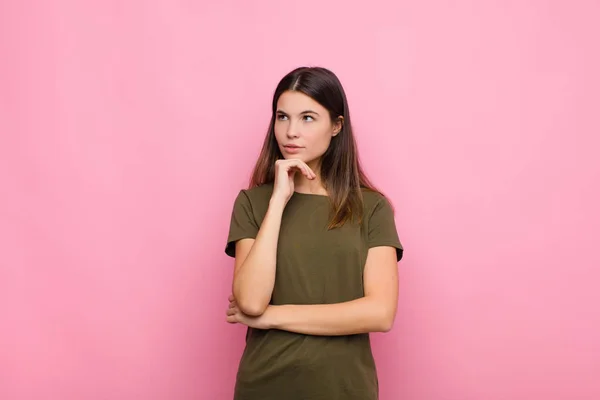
303	127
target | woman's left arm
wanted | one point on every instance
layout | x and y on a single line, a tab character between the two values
375	312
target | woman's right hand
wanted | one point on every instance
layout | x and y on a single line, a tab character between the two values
285	171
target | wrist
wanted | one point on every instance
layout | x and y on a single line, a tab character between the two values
272	320
277	203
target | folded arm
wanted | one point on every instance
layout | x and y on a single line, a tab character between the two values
375	312
254	273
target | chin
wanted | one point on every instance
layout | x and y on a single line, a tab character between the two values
293	157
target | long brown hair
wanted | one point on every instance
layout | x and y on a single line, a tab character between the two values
341	171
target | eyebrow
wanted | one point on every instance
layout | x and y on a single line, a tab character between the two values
303	112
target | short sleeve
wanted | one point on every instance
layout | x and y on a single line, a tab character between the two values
382	228
243	224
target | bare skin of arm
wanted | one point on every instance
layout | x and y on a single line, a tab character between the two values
375	312
255	261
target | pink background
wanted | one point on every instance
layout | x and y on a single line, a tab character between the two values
128	127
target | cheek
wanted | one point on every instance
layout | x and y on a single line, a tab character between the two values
279	133
325	143
320	141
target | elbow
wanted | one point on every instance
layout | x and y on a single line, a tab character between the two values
385	322
249	302
382	316
386	325
252	308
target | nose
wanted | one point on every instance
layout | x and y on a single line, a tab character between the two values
292	131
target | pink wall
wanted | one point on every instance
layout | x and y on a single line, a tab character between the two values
127	128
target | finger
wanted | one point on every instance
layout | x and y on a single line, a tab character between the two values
309	172
232	304
289	168
231	320
231	298
298	165
303	168
304	172
232	310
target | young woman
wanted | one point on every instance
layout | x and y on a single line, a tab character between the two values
316	252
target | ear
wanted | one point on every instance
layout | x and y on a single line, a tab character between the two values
338	125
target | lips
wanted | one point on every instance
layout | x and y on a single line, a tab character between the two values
291	149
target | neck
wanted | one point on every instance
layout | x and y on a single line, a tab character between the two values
314	186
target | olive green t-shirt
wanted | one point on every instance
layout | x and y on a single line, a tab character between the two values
314	266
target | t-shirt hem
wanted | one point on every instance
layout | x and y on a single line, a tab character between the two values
230	246
396	245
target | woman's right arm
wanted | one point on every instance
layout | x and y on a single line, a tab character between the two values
255	260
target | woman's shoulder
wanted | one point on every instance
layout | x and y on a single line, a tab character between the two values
375	202
258	194
372	197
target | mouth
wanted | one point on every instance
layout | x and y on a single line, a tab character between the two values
291	149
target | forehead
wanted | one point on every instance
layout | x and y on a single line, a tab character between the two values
297	102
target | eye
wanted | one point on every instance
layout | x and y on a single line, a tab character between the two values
308	116
281	117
